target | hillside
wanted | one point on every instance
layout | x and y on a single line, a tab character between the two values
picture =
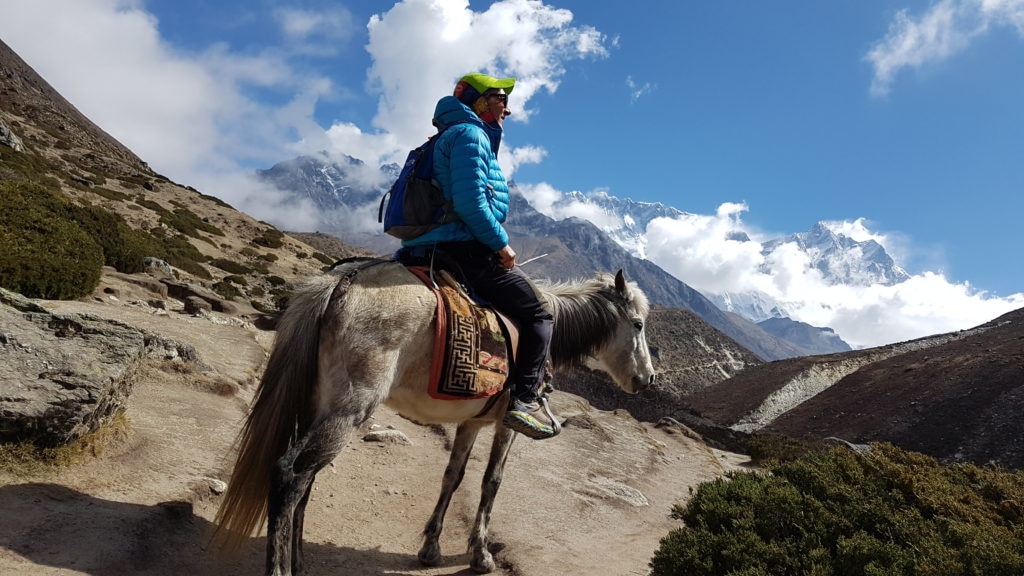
954	396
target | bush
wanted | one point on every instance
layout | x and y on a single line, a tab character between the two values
227	290
883	512
764	447
325	259
270	238
179	252
231	266
187	222
44	255
123	248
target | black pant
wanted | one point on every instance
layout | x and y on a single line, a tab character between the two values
512	294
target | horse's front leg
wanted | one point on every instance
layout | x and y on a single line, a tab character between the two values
465	437
483	561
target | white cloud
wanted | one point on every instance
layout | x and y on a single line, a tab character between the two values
720	253
542	196
297	24
704	252
637	91
419	47
946	28
551	202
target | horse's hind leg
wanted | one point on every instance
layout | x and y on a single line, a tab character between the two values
465	437
483	561
290	485
297	525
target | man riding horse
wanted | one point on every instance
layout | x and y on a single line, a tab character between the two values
466	166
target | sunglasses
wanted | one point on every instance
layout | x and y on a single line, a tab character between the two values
502	97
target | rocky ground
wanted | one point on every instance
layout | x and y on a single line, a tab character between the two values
595	500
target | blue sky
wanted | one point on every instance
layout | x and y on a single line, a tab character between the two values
898	121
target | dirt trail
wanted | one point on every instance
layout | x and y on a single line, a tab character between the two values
594	501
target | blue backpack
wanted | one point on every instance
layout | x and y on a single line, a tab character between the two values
415	203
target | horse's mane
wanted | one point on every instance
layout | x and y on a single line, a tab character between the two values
587	313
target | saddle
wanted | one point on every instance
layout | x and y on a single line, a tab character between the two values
473	344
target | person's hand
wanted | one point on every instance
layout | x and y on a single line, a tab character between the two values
507	257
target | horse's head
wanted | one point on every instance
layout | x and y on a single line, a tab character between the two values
625	355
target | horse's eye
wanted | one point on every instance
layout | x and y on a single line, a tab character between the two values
638	325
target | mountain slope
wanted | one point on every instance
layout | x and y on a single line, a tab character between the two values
955	396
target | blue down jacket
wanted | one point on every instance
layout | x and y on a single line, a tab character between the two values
466	166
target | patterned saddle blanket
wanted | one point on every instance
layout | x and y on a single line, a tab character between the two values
472	344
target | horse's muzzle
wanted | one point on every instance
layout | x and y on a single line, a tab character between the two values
640	384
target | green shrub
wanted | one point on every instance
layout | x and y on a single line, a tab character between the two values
227	290
270	238
262	307
188	223
230	266
324	258
883	512
45	254
155	207
281	297
180	253
123	247
763	447
109	194
23	166
216	200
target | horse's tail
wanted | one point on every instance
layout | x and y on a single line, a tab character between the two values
282	411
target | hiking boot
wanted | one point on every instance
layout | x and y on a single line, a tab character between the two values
533	419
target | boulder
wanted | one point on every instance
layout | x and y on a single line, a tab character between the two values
195	305
10	139
63	376
157	267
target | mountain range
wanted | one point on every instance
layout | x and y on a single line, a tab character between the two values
572	246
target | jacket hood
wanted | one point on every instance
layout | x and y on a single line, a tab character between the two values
450	111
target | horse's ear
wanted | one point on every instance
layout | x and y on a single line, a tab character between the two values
620	283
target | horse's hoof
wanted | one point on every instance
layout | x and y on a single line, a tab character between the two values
482	563
430	555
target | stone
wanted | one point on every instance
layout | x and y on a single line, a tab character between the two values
64	376
196	305
157	267
387	437
10	139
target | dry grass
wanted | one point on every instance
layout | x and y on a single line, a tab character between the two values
26	460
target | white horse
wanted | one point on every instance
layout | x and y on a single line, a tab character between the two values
363	335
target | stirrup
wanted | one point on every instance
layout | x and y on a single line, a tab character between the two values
555	425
